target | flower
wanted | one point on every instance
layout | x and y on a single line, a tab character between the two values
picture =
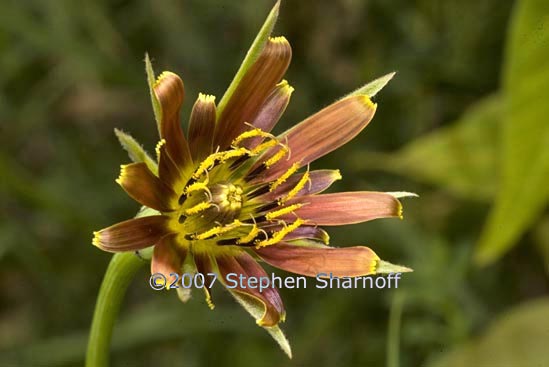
232	193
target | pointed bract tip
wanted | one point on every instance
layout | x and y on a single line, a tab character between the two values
384	267
372	88
402	194
276	7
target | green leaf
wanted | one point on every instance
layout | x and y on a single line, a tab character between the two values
252	55
372	88
135	150
151	80
524	188
518	338
460	158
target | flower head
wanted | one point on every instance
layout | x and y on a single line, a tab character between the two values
231	193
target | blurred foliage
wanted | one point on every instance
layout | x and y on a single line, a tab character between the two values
446	128
519	338
524	188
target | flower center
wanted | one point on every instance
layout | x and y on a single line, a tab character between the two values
222	205
226	201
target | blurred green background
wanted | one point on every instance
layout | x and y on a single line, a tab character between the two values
463	124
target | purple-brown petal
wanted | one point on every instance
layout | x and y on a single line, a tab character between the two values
167	257
201	127
311	261
246	266
323	132
147	189
271	111
170	92
133	234
347	207
252	91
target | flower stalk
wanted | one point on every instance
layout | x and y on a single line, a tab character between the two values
121	270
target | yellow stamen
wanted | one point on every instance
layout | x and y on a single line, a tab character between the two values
221	157
278	156
279	235
300	184
197	208
215	231
279	181
251	134
197	186
265	145
250	236
205	165
280	212
234	154
209	298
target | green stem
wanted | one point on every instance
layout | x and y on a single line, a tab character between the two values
120	272
393	339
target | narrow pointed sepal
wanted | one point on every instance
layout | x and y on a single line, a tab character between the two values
374	87
403	194
136	152
201	127
384	267
151	80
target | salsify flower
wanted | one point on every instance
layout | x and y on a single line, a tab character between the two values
231	193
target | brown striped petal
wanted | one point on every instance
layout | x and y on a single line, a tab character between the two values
245	265
347	208
170	93
133	234
253	90
168	171
147	189
201	127
310	261
323	132
167	258
271	111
